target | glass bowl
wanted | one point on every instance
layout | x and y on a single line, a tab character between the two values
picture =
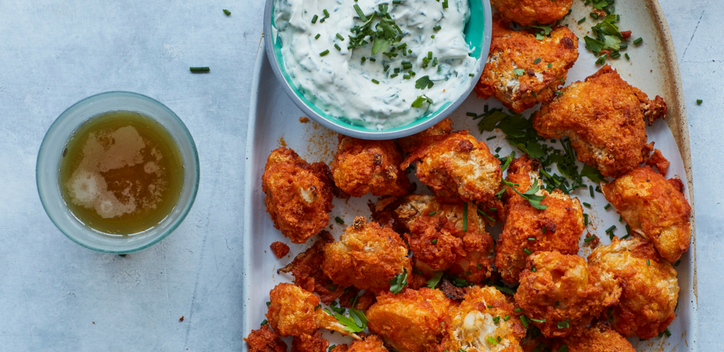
48	166
478	32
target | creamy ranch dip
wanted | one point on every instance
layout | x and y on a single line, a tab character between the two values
427	49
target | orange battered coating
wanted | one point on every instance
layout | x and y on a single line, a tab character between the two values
294	311
410	321
559	289
605	118
512	51
467	254
265	340
562	220
650	287
654	208
310	343
410	143
597	338
298	195
370	343
280	249
457	166
478	324
532	12
366	256
362	166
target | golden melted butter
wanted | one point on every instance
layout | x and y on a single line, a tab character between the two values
121	173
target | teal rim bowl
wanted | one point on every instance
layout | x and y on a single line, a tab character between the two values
477	31
50	154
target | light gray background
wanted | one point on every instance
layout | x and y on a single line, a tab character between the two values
57	296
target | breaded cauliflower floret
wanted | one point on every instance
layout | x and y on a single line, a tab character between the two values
410	143
528	230
298	195
366	256
597	338
561	295
265	340
485	321
457	166
362	166
654	208
295	312
447	236
370	343
605	118
532	12
650	286
411	321
521	70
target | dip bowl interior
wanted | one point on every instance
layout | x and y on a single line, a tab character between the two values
477	34
52	150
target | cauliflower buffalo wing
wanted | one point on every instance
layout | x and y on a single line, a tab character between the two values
532	12
605	118
265	340
654	208
560	294
411	321
366	256
410	143
528	230
521	70
362	166
298	195
457	166
597	338
295	312
650	288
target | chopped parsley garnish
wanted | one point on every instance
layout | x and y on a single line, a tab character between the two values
355	322
491	340
564	324
432	283
543	31
385	32
398	283
518	71
420	99
424	82
530	195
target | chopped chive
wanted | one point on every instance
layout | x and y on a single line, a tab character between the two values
517	310
406	76
667	332
432	213
610	229
638	41
199	69
375	81
317	37
498	149
465	217
550	65
532	268
677	262
594	15
620	218
227	12
648	262
264	322
590	189
489	138
268	304
340	37
444	4
471	75
496	319
558	92
598	189
531	238
314	19
587	205
339	220
538	320
505	318
360	13
337	47
480	265
607	206
626	56
485	215
471	114
326	13
324	53
526	251
434	241
544	229
536	61
589	238
585	219
491	340
437	28
581	20
699	101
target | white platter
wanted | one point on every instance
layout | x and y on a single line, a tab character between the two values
274	121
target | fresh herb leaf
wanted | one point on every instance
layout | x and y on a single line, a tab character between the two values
424	82
421	99
530	195
398	283
432	283
518	71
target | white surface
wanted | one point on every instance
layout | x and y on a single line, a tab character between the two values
56	53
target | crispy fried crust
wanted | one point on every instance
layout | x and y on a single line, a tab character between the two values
467	254
511	50
298	194
362	166
310	343
658	161
410	143
280	249
307	270
457	166
597	338
471	324
605	118
366	256
371	343
563	222
559	289
654	208
294	311
531	12
650	287
410	321
265	340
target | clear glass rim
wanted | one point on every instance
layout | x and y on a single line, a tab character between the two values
186	135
